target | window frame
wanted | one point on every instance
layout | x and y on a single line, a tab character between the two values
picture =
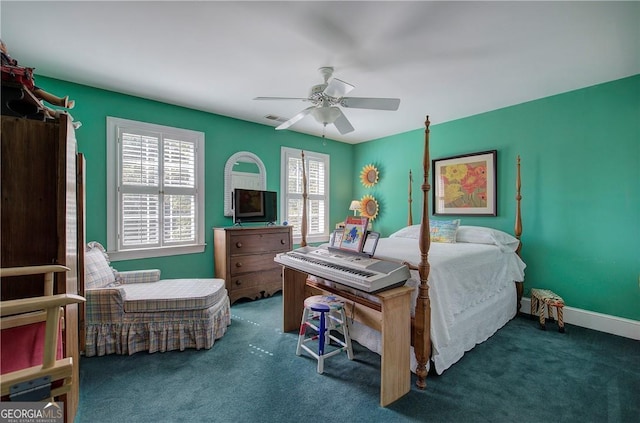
285	154
114	159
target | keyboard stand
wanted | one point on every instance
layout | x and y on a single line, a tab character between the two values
392	317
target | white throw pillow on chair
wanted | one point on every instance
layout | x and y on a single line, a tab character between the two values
98	271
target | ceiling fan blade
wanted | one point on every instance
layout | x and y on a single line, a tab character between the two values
296	118
342	124
337	88
281	98
371	103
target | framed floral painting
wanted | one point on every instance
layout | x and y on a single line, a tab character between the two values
466	184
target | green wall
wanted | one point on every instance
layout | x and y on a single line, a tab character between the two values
580	180
223	137
580	160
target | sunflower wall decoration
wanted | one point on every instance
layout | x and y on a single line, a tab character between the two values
369	176
369	207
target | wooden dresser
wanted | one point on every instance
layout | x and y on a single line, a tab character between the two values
243	257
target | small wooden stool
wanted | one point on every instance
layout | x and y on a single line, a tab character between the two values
540	297
322	306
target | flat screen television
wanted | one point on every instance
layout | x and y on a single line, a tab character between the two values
252	205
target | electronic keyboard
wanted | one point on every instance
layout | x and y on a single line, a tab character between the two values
366	274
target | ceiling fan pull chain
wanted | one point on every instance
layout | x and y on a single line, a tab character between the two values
324	130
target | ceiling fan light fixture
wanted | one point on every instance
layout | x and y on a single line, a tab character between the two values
326	97
326	115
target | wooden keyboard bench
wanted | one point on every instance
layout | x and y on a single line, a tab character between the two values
392	317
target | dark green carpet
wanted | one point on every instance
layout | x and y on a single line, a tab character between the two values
521	374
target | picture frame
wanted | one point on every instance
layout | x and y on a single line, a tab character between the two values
466	184
336	238
355	231
370	243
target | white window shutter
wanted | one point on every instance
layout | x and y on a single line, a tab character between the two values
158	189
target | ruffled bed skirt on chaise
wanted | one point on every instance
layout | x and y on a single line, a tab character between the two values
159	331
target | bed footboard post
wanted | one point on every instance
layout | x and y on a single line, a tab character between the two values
422	325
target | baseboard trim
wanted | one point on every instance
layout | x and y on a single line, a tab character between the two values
596	321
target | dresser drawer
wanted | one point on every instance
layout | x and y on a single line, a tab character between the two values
259	243
256	279
242	264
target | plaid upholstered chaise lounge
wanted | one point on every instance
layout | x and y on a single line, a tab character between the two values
128	312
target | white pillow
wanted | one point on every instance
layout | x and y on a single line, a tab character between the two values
483	235
412	231
98	270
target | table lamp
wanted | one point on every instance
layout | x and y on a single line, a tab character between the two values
355	206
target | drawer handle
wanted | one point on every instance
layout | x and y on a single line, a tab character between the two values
239	244
238	282
239	264
282	241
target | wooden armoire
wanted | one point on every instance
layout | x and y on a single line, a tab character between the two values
42	217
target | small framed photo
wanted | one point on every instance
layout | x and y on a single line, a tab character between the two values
370	243
336	238
466	185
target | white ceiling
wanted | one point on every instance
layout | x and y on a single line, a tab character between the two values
445	59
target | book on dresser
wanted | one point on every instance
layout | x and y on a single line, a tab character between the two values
243	257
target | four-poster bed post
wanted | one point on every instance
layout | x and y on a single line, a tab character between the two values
422	324
518	232
303	225
410	217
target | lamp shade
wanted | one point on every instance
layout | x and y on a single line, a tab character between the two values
355	205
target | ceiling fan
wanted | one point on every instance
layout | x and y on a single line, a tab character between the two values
330	94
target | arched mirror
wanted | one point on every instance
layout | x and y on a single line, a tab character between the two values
243	170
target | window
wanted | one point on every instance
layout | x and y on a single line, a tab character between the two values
155	190
317	172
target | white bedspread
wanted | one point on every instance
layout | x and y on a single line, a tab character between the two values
465	280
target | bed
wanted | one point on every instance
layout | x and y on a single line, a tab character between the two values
471	288
458	302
